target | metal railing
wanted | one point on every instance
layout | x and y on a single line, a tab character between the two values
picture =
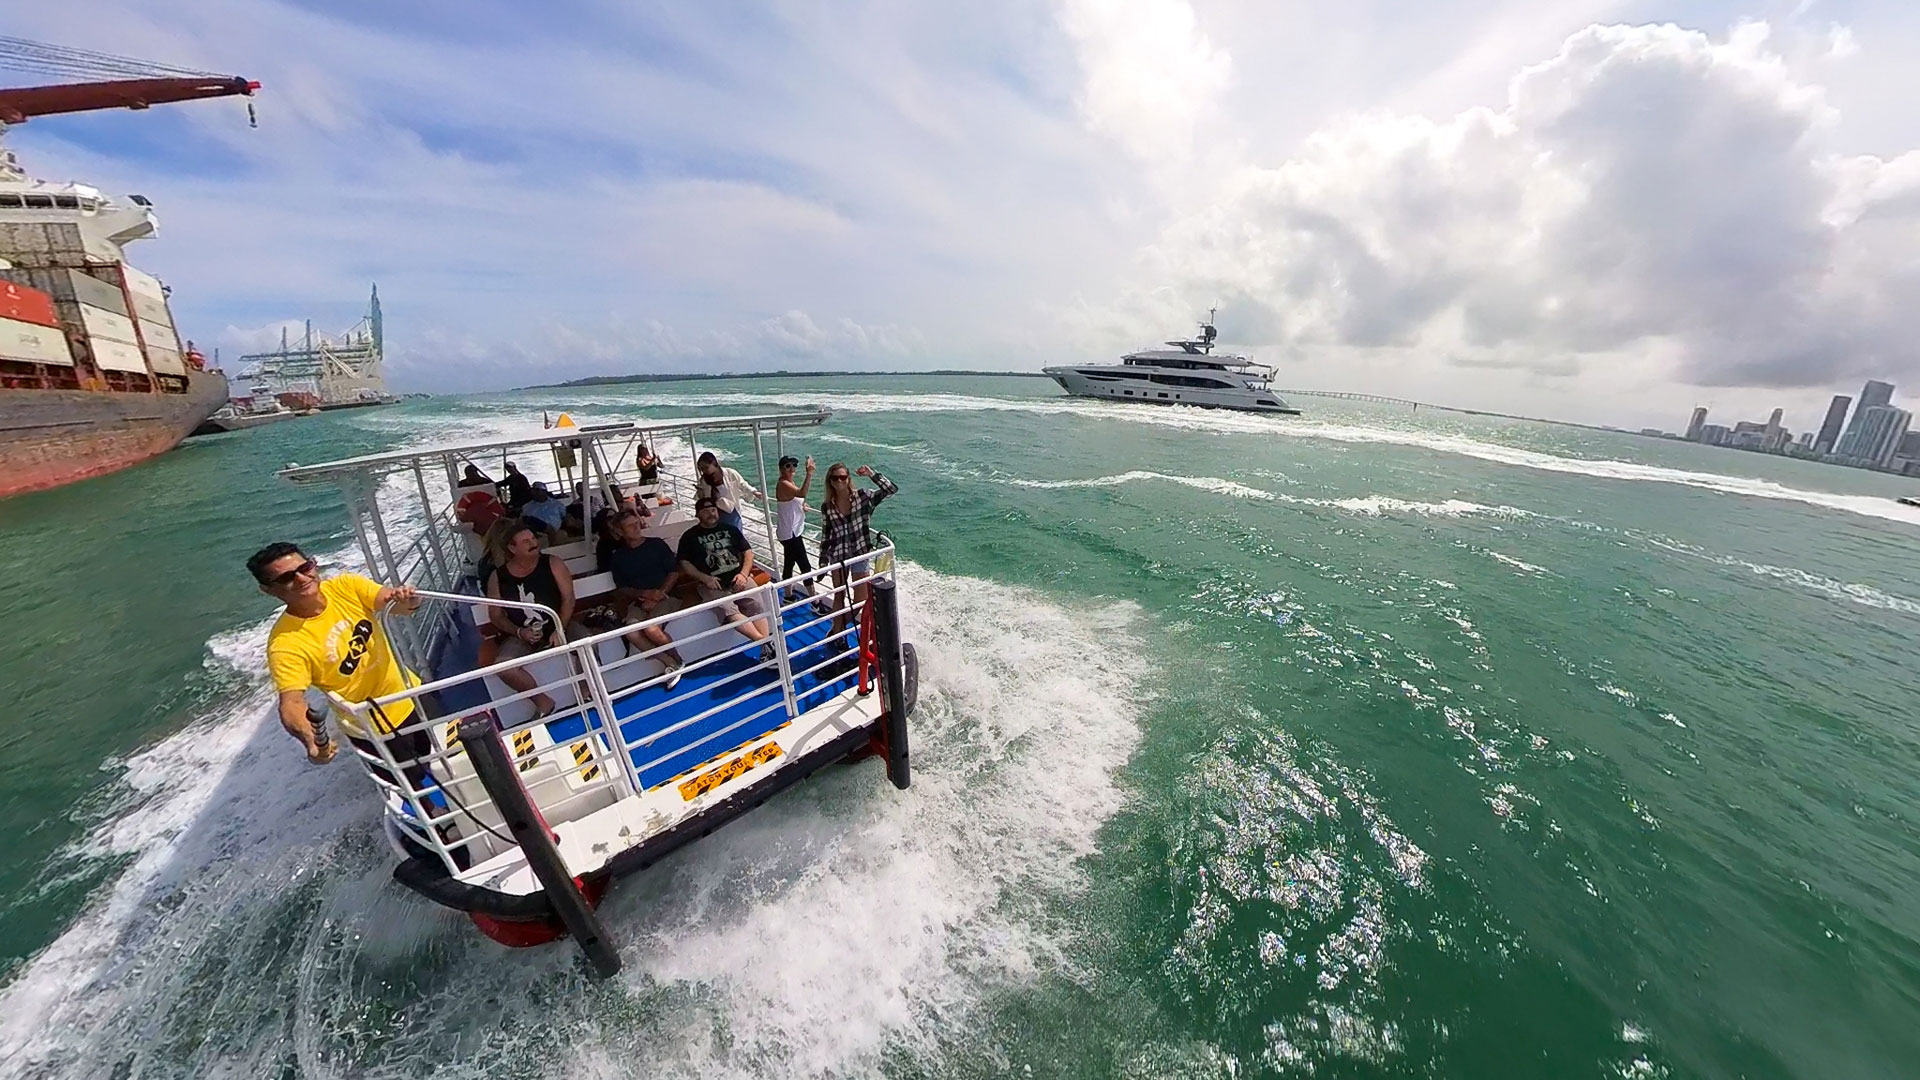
456	822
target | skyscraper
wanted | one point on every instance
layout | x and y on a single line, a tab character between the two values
1875	434
1694	425
1875	393
1830	427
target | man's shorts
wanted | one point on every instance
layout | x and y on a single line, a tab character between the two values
742	606
638	613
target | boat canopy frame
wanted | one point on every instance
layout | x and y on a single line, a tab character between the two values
359	478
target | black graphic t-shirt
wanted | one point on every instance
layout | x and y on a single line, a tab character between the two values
716	551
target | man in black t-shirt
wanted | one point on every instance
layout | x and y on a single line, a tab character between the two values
719	561
644	570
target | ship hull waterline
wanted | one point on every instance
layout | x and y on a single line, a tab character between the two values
49	438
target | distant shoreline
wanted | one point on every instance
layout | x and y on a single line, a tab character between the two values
614	380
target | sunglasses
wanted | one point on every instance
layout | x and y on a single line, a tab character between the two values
838	476
281	581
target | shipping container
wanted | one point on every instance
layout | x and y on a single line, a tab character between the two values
75	285
101	323
38	245
141	283
151	309
161	335
26	304
164	360
116	355
33	343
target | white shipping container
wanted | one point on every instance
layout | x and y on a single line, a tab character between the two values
117	355
150	309
159	334
140	283
164	360
33	343
101	323
73	285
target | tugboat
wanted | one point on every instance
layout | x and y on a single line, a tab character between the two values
1186	374
523	820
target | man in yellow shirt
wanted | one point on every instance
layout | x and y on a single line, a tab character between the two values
329	638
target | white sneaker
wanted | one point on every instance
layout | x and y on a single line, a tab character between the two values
673	671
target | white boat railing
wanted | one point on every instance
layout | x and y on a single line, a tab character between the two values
455	821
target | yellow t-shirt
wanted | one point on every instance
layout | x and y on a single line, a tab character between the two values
343	649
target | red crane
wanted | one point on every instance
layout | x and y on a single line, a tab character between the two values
141	84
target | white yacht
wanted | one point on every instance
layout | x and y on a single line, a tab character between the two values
1186	374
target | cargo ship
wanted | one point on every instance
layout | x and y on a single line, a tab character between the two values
326	371
93	376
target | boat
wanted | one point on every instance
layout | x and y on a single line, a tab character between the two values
93	376
240	414
1908	500
1186	374
327	371
521	821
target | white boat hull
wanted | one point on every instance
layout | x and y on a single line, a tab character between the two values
1096	383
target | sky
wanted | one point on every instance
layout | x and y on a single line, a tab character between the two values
1606	211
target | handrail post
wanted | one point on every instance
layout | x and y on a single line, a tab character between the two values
496	774
893	686
777	630
589	658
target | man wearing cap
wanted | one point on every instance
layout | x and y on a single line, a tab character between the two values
544	508
716	556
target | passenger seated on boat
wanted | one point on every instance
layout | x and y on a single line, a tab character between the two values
645	570
543	508
725	486
529	576
716	556
473	476
516	489
493	552
329	638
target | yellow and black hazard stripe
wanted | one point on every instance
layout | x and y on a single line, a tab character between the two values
581	754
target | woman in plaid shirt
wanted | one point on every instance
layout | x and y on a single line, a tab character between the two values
846	531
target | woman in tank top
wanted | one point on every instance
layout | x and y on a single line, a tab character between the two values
529	576
792	517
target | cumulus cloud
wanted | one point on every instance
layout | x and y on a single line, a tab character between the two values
1150	74
1648	190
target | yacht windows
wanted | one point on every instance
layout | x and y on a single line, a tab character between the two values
10	200
67	202
1188	380
39	202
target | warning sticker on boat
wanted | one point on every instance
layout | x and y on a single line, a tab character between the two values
713	778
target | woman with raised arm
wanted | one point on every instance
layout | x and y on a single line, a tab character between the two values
847	532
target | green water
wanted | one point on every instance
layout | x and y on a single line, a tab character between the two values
1362	744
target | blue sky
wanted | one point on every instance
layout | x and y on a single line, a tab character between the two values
1598	210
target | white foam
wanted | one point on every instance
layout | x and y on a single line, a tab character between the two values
1193	419
819	934
1518	564
1212	484
1852	592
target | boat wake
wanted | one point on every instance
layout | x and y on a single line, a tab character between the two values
1215	421
253	930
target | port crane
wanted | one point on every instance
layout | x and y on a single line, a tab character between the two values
115	82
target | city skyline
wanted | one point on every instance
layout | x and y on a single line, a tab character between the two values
1876	436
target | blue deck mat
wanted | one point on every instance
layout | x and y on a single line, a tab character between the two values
708	687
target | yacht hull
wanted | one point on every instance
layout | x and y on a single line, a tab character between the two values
1094	383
